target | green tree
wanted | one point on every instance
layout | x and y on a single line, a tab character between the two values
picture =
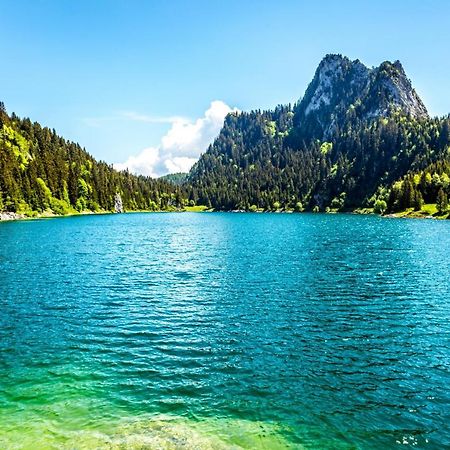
380	207
442	201
418	201
299	207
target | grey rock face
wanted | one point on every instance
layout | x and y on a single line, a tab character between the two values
391	79
118	206
332	70
6	215
342	87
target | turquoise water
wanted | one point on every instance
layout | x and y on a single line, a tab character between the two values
225	331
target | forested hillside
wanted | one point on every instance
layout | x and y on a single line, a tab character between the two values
40	172
360	138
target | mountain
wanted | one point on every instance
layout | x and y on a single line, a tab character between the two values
42	173
355	133
342	88
359	138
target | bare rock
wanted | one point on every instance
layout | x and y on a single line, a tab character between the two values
118	206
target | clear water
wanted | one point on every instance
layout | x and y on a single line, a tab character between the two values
224	331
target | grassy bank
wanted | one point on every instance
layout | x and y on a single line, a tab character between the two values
428	211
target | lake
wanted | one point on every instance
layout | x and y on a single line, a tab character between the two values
225	330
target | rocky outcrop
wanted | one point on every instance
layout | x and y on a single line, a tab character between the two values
342	88
332	71
7	215
390	81
118	205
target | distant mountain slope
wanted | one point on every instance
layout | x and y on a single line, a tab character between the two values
42	172
355	132
175	178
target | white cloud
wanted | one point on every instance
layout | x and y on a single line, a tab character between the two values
182	144
132	116
179	164
136	117
142	164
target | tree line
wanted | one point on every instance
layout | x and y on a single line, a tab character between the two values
41	171
259	161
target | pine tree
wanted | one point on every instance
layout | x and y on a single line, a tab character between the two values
442	201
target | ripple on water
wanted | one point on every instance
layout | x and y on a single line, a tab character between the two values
331	331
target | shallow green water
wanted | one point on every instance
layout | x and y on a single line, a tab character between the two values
224	331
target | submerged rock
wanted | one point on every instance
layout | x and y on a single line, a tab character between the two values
162	432
118	206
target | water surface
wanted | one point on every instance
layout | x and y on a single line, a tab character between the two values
224	331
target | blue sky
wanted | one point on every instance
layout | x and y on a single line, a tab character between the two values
123	76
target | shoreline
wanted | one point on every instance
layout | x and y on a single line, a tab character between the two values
7	216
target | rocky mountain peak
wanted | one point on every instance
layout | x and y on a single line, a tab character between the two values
333	70
390	80
342	87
